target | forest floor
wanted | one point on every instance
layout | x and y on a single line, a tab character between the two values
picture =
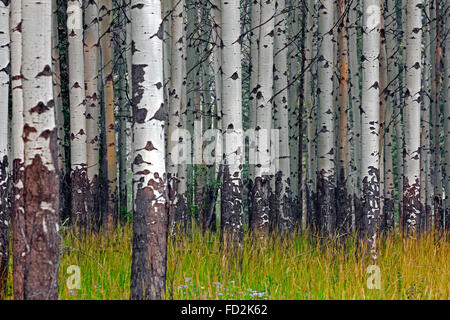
302	268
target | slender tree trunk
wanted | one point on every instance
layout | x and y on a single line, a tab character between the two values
446	45
18	245
343	207
390	94
110	212
91	42
356	109
293	102
411	182
150	223
41	186
284	206
370	199
254	65
78	157
436	113
59	114
4	128
310	114
261	189
325	146
176	105
233	149
425	150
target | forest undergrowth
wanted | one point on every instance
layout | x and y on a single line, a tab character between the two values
302	267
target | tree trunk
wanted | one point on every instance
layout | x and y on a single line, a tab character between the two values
150	223
284	211
293	102
343	217
176	106
254	65
411	175
370	199
356	110
325	146
110	212
91	41
41	185
390	94
310	115
78	157
436	113
233	148
4	128
18	245
446	44
261	188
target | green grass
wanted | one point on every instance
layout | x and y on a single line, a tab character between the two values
297	269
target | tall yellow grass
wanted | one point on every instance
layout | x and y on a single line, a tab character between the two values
299	268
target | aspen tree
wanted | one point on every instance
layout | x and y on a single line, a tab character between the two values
233	148
78	156
41	185
91	43
4	128
411	184
326	135
150	214
18	245
370	166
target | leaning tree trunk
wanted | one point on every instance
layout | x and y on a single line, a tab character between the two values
284	211
370	198
150	215
92	107
78	157
106	45
261	188
411	175
18	245
325	146
41	187
233	149
4	128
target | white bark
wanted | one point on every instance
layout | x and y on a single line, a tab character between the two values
91	80
411	203
326	135
370	165
78	156
233	149
282	192
149	167
41	181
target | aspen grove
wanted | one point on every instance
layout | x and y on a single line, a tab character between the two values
246	119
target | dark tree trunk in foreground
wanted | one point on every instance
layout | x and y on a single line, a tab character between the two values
150	212
41	185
